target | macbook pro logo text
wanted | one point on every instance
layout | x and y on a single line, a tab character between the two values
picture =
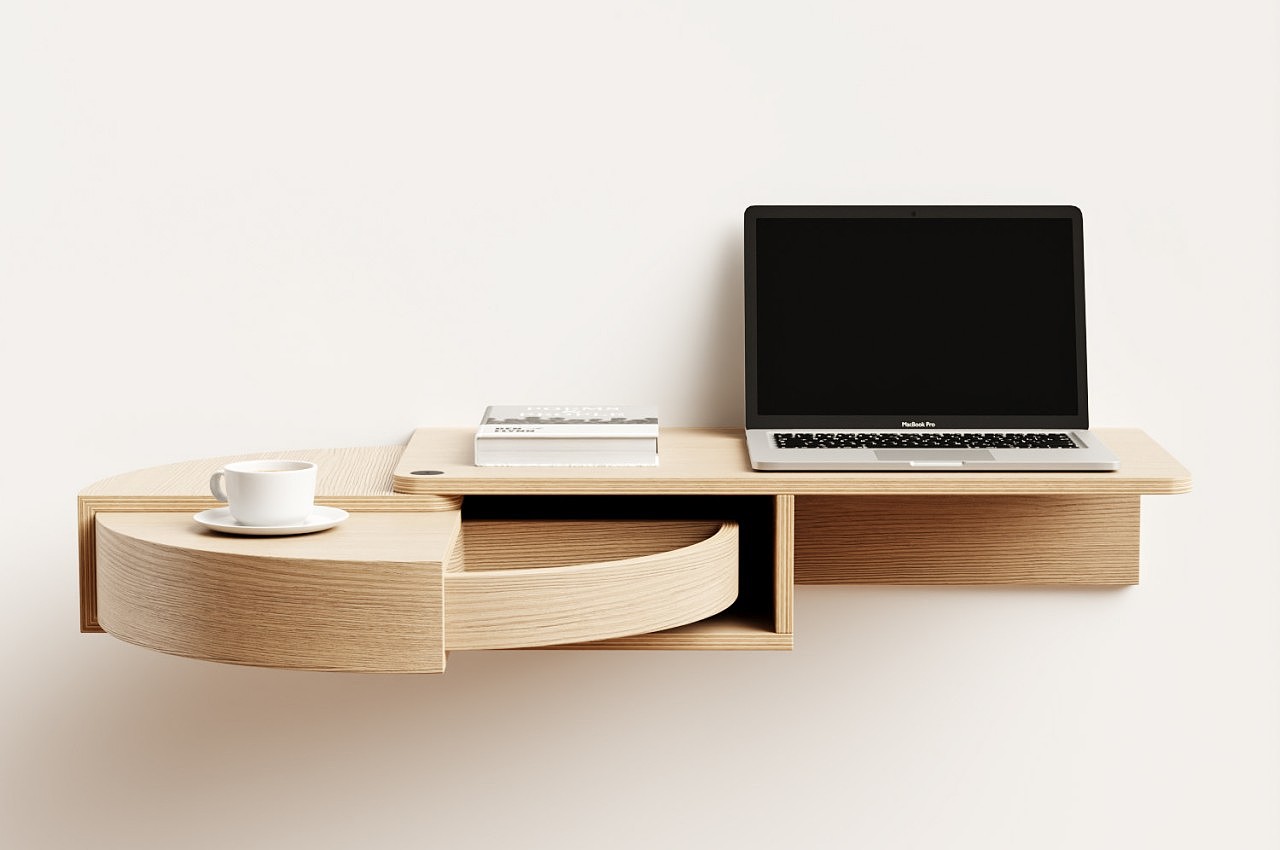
924	424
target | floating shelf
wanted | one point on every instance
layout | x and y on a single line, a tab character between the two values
699	553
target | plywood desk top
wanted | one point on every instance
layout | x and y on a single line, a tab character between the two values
702	461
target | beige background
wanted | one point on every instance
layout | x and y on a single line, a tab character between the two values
245	226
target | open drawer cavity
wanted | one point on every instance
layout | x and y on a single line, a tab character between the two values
542	582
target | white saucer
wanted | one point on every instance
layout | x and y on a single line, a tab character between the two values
220	519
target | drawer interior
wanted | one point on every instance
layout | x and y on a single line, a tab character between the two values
608	522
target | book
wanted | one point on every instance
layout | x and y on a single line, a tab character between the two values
512	435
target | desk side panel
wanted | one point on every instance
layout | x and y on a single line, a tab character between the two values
784	519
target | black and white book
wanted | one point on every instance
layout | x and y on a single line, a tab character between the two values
513	435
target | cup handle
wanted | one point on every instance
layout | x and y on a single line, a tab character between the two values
215	486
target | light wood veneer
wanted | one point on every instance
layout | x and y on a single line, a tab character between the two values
704	461
534	584
392	592
967	540
863	527
355	479
698	553
365	596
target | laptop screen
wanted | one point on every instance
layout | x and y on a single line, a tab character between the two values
866	317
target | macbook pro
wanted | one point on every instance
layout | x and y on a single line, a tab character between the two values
917	338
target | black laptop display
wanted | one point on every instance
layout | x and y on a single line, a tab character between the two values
917	319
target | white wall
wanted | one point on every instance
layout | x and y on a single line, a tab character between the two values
237	226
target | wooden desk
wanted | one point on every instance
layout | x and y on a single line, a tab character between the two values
698	553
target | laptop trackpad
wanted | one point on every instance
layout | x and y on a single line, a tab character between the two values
941	456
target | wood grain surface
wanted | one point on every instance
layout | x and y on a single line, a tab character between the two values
364	596
355	479
405	578
967	540
706	461
392	592
541	583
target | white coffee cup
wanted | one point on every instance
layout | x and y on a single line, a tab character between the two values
266	492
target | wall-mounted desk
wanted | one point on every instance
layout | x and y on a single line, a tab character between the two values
698	553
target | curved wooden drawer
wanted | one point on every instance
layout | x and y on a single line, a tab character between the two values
541	583
393	591
366	595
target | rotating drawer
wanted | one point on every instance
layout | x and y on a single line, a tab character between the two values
394	591
528	583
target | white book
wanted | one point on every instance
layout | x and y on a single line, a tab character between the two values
554	435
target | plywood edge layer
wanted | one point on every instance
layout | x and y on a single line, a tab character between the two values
543	606
195	504
660	641
784	518
724	632
88	552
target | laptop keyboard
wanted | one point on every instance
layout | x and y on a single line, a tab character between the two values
924	440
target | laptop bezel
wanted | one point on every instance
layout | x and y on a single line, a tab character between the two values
938	419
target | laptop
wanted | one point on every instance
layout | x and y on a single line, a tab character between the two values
930	338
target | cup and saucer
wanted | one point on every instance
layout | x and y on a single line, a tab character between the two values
268	498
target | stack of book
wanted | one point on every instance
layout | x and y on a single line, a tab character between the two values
568	436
